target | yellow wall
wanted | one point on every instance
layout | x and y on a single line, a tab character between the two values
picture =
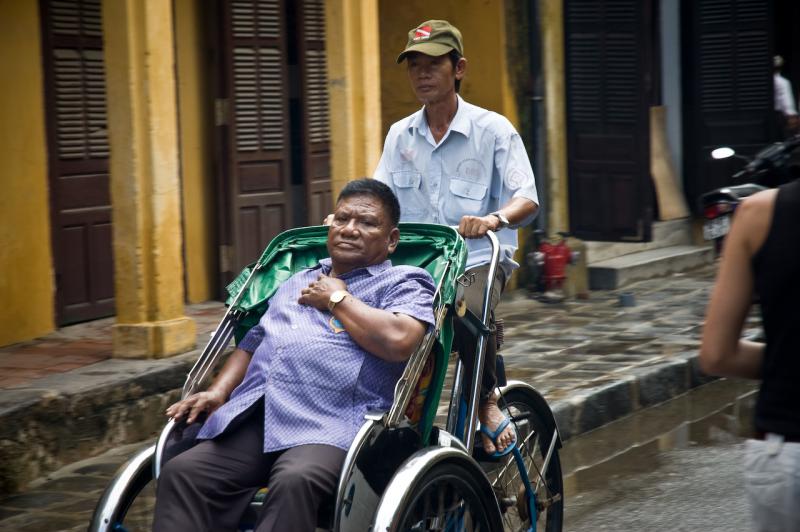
26	273
482	24
552	14
195	137
354	73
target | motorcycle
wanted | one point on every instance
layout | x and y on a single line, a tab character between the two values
769	168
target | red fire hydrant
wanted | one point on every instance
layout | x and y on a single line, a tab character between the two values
549	265
556	258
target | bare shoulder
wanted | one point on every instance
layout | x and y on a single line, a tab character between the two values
758	206
754	218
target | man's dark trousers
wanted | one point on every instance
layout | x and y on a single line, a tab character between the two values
209	486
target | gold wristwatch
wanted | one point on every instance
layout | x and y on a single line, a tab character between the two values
336	297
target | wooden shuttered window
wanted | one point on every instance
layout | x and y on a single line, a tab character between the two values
728	87
314	104
78	151
608	119
273	115
259	159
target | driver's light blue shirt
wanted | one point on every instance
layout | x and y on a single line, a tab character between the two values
479	166
317	383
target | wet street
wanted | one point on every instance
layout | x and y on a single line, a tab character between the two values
671	467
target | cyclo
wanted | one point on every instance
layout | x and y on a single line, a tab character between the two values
402	471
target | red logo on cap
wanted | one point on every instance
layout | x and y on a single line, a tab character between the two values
423	32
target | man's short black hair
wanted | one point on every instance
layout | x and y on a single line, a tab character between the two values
454	57
372	187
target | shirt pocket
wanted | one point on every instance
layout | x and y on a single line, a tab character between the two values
467	199
407	187
406	179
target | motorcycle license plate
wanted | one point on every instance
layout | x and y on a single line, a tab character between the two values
716	228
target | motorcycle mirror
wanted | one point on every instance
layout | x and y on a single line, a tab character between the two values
722	153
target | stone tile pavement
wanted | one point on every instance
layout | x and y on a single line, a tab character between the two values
594	360
76	346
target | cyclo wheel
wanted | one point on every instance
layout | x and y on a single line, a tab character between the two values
138	510
128	501
446	498
533	439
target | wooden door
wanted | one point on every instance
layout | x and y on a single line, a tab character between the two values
727	87
77	144
272	115
608	140
315	139
254	119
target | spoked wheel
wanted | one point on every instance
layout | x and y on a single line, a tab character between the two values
534	440
446	498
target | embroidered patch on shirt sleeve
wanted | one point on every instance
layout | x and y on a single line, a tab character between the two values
515	178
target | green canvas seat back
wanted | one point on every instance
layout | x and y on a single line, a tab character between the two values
426	246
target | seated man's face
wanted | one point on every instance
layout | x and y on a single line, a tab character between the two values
361	234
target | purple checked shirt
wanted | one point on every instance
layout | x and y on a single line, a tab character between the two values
317	383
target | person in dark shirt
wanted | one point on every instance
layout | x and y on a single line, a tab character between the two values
762	254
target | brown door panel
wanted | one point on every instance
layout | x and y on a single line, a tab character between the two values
273	143
728	88
608	145
77	145
86	267
255	153
260	217
314	103
319	194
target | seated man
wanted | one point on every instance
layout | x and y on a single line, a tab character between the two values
292	396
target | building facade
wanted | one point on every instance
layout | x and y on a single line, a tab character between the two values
152	148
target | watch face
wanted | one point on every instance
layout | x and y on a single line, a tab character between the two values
335	298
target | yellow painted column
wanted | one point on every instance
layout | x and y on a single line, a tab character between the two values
353	48
145	188
552	26
195	125
26	262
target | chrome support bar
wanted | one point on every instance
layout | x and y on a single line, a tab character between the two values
455	395
547	460
208	358
219	341
480	352
405	386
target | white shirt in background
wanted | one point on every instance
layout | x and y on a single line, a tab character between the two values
784	99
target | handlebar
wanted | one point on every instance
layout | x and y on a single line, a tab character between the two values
769	157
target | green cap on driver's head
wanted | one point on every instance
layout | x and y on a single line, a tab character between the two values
434	38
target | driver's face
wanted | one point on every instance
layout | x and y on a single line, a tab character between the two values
432	78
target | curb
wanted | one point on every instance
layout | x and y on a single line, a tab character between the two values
83	413
642	387
116	402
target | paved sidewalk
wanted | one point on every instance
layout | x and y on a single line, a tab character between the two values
594	361
77	346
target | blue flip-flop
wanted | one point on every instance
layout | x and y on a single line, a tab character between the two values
493	436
